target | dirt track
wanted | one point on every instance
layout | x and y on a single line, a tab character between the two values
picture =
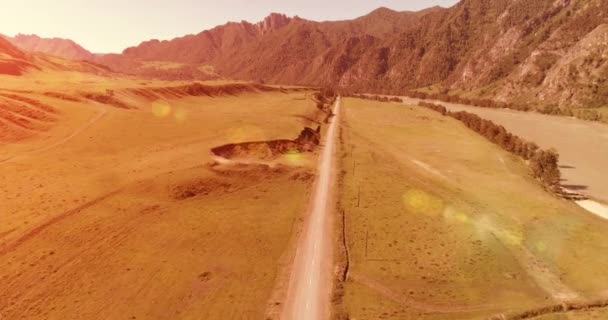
310	282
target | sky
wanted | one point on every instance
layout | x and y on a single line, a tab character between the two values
109	26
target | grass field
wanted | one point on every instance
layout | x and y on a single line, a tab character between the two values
441	224
118	213
582	145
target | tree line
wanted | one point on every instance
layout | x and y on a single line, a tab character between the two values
584	114
544	164
483	103
372	97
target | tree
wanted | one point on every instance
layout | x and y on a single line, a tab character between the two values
545	167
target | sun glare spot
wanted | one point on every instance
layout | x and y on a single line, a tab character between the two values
541	246
510	237
452	215
485	227
161	108
294	158
420	201
180	115
462	217
245	133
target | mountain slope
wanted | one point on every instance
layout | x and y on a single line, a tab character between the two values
13	61
206	45
548	52
63	48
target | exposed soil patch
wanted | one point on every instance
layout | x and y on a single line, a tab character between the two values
62	96
198	187
107	99
205	276
231	178
307	141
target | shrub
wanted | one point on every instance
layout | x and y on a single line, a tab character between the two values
545	167
439	108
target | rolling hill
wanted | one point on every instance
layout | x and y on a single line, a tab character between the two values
12	60
17	62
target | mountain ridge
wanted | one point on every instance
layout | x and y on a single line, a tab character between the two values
60	47
548	53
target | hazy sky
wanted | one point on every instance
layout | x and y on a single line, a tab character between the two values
104	26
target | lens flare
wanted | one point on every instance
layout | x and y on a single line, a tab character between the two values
454	215
510	237
461	217
294	158
419	201
245	133
485	227
180	115
161	108
541	246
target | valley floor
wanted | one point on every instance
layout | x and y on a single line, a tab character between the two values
582	145
114	207
120	213
441	224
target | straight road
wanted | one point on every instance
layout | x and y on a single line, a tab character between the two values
310	283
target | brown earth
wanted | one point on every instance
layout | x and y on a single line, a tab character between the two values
120	213
21	117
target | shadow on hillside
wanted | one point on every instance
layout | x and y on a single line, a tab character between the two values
575	187
307	118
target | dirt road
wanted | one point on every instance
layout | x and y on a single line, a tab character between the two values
310	281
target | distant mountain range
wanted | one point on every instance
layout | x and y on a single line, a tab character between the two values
549	52
64	48
16	62
12	60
